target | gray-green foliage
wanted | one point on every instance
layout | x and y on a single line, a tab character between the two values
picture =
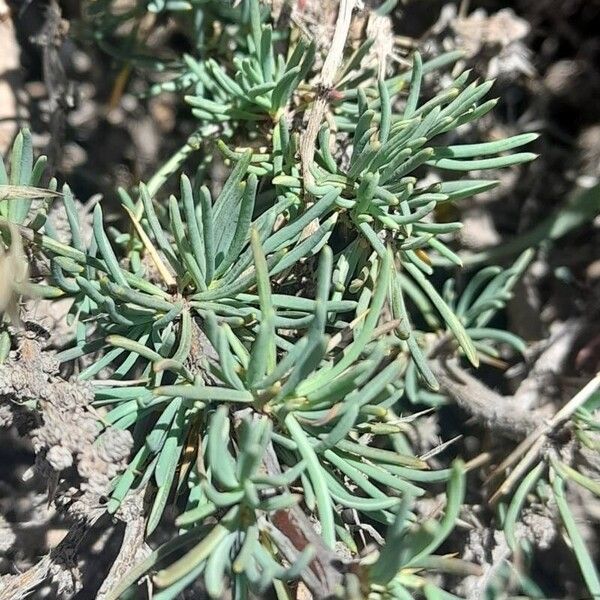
260	343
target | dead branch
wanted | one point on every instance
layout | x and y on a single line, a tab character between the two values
133	546
327	79
505	414
60	564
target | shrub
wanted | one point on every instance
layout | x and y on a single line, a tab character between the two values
261	344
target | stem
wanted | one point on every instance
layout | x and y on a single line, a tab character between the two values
192	144
328	73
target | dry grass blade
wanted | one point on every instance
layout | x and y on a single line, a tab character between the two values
160	265
26	192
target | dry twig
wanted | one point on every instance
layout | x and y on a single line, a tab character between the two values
327	79
531	447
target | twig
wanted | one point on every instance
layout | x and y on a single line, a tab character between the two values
291	531
328	73
16	587
532	445
61	96
549	364
496	412
132	544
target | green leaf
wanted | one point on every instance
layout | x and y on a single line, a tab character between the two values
451	320
205	393
227	205
422	543
133	575
263	356
193	230
483	163
516	504
184	247
586	562
106	251
21	165
217	453
158	232
317	477
415	86
484	149
388	563
218	561
242	230
570	474
166	467
198	554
